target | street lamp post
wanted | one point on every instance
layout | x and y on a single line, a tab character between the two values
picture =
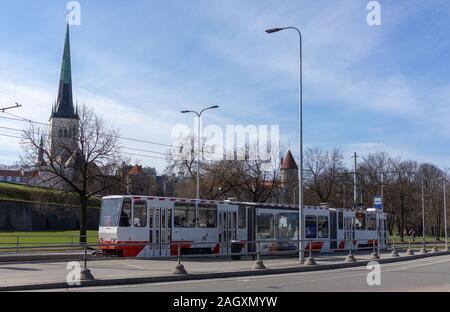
445	213
424	249
199	115
300	130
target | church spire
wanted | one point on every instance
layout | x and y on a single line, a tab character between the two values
40	160
64	103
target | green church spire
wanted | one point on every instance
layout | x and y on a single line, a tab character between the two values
64	103
66	68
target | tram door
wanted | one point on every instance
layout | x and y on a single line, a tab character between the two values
349	230
160	231
382	229
227	229
333	229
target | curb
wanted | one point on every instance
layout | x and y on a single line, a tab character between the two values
44	258
203	276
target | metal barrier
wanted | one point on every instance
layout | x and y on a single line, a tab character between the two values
15	243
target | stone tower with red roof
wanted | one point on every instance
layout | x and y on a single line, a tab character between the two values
289	179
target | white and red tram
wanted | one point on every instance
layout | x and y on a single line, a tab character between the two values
209	226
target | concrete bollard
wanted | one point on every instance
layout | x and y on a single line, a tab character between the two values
434	249
423	251
350	259
179	269
374	256
424	248
259	265
85	274
310	260
394	253
409	252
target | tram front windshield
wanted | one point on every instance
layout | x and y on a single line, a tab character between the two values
111	211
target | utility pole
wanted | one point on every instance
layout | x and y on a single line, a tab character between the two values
355	195
445	212
424	249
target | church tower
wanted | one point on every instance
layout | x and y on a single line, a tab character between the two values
64	120
289	179
40	158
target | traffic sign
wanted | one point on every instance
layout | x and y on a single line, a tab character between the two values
377	202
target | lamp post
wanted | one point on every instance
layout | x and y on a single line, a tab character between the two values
424	249
300	130
444	178
199	115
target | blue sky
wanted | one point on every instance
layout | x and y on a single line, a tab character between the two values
138	63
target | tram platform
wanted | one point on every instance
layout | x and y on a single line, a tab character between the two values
35	275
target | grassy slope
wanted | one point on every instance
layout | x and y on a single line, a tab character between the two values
41	195
9	239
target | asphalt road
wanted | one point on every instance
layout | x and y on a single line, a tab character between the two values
428	274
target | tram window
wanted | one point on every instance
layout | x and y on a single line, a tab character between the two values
169	218
242	217
322	227
287	224
125	215
264	226
110	212
207	216
184	215
310	226
360	221
151	219
140	214
371	223
341	220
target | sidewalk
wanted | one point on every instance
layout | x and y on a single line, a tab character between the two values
120	271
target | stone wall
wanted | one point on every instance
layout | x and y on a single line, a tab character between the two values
24	216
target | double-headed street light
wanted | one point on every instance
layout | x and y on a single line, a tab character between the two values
300	130
199	115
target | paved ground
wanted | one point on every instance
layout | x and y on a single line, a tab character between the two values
38	273
427	274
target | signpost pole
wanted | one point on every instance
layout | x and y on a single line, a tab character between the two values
378	204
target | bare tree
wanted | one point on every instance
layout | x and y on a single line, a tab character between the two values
84	162
404	188
245	179
216	177
322	170
433	196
